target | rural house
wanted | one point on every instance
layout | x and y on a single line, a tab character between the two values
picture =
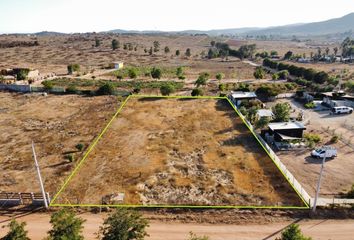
238	97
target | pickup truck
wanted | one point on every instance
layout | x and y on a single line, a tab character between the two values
330	152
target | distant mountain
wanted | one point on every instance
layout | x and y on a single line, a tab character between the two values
332	26
47	33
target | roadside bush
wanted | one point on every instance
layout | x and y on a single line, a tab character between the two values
293	232
197	92
309	105
124	224
106	89
16	231
167	89
65	225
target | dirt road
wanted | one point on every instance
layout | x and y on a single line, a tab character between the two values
38	225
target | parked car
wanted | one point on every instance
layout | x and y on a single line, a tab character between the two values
330	152
342	109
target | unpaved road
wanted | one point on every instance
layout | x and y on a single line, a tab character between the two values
38	225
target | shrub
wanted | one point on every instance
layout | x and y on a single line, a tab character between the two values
197	92
275	76
312	137
132	73
22	74
350	193
293	232
106	89
309	105
80	146
219	76
73	68
48	85
167	89
222	87
202	79
179	71
283	74
16	232
124	224
70	157
71	89
193	236
181	77
156	73
267	91
259	73
65	225
334	139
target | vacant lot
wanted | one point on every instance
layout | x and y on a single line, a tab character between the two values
56	124
179	152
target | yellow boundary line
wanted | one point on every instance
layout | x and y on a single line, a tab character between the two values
53	204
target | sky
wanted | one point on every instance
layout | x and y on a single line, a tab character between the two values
28	16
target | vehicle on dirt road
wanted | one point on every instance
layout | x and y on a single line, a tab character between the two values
329	151
342	109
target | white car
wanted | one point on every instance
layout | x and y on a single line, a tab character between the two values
341	109
330	152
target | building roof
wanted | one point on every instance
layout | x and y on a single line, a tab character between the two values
286	125
117	62
240	95
265	113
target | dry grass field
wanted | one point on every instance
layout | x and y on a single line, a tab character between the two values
179	152
55	124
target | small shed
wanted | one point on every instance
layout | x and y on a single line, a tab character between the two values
264	113
286	130
117	65
239	96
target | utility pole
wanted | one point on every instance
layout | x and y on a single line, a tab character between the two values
319	182
39	177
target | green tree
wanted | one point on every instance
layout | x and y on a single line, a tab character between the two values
275	76
212	43
124	224
66	226
150	51
335	50
80	146
178	52
262	122
350	193
106	89
293	232
219	76
288	55
133	73
115	44
48	85
156	73
167	49
97	42
22	74
179	71
16	231
156	46
197	92
167	89
73	68
281	112
188	52
222	87
259	73
202	79
273	53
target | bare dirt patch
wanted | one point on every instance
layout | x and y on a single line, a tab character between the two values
55	124
179	152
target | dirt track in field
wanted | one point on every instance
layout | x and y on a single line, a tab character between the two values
179	152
